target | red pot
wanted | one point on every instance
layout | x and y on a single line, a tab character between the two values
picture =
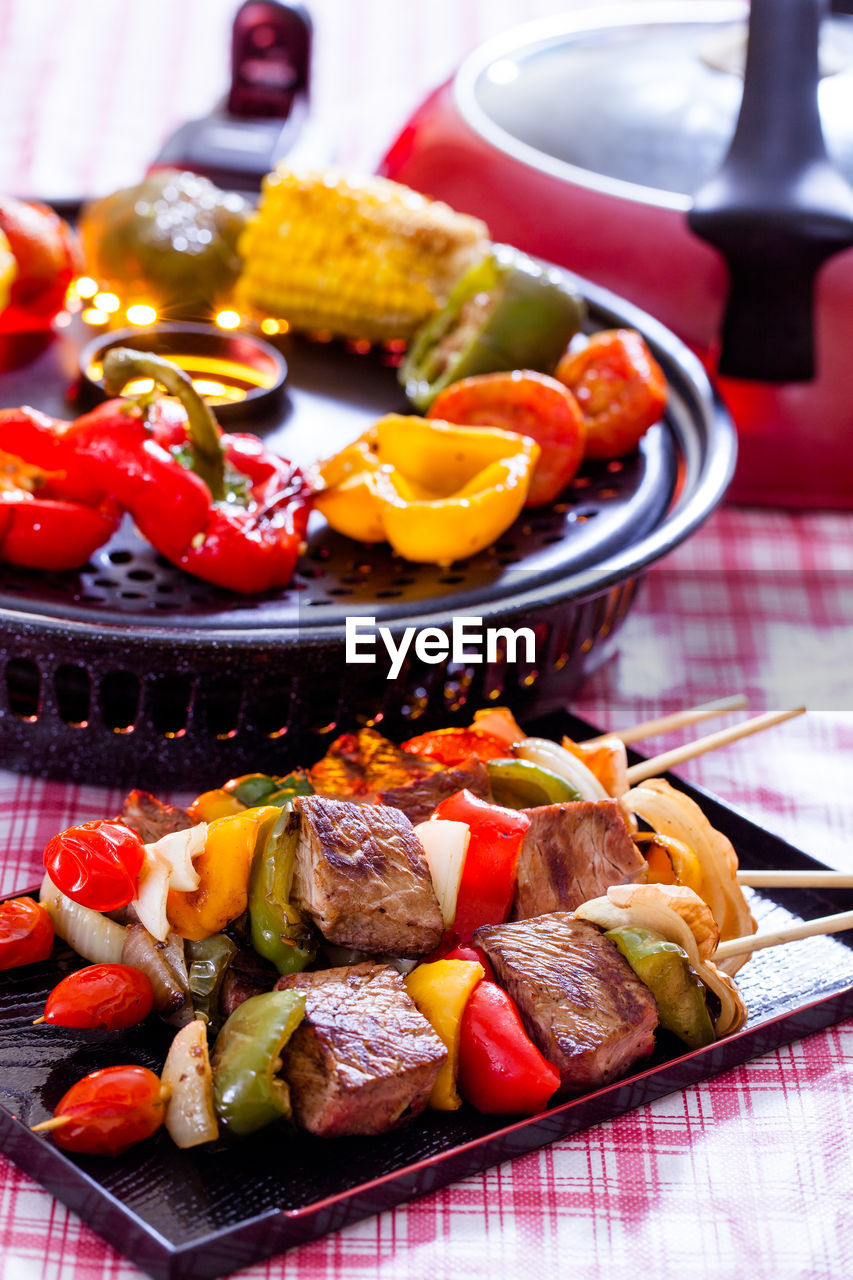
541	134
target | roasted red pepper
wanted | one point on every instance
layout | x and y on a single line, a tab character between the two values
488	878
51	515
223	508
453	746
470	952
501	1072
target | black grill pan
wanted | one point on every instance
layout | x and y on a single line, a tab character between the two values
132	672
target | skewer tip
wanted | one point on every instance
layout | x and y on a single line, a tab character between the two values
55	1122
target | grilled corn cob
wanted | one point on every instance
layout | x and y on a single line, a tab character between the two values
361	258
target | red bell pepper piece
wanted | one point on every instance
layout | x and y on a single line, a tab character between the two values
44	442
43	525
121	450
487	887
470	953
501	1071
221	507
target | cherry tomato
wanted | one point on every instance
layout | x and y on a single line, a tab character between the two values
453	746
26	933
620	388
111	996
533	405
110	1110
96	864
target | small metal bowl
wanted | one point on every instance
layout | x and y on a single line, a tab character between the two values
239	375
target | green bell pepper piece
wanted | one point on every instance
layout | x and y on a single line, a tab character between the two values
170	240
520	784
277	930
248	1093
253	789
664	968
295	784
507	312
207	964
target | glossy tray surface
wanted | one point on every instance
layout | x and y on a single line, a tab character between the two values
202	1214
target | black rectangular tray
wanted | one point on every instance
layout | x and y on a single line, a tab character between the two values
204	1213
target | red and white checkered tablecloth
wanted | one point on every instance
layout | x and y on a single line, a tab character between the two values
747	1175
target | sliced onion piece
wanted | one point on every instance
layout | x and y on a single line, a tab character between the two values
548	755
164	965
672	813
178	849
152	891
190	1118
647	906
93	936
445	845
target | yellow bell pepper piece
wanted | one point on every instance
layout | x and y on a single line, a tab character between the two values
435	491
441	990
223	867
347	500
8	270
686	867
211	805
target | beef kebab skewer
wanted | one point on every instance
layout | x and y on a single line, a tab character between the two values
364	1057
362	881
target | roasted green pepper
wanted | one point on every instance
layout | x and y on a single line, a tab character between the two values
262	788
519	784
207	963
248	1092
664	968
507	312
169	241
277	930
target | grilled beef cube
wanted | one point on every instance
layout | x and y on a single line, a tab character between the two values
358	766
571	853
364	1059
361	875
419	797
151	818
580	1001
248	975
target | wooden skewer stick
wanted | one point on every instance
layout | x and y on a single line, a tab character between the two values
678	720
56	1122
791	933
37	1021
659	764
796	879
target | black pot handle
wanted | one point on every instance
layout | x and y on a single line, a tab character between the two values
778	207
